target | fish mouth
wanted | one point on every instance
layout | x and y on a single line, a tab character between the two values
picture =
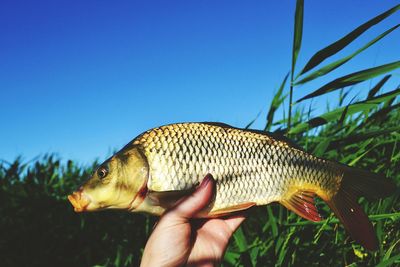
79	200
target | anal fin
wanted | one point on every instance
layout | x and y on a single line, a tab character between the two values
302	203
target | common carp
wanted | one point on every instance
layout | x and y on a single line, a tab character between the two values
250	167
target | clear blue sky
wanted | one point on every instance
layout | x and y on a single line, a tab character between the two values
82	78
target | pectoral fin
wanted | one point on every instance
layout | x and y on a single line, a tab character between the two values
167	199
231	209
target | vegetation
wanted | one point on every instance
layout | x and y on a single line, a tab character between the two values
39	228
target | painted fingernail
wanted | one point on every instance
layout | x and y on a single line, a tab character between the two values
207	179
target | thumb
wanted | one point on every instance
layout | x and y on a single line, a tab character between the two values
194	203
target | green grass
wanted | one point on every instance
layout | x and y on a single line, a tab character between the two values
39	228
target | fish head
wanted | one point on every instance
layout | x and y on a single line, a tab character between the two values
118	183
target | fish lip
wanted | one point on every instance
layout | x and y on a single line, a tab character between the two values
79	200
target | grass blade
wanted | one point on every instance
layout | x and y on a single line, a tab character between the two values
355	138
381	115
353	78
334	65
298	34
231	258
284	249
241	242
343	42
276	102
251	123
389	251
337	113
389	262
272	222
378	86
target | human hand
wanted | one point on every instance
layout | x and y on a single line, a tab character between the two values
178	239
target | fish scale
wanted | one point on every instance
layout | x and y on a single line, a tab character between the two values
247	166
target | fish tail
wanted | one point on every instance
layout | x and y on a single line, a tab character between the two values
357	183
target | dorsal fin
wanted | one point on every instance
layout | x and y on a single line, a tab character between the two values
276	136
219	124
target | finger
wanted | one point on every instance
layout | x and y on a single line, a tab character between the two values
194	203
234	221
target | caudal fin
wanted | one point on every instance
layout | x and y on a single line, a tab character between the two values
357	183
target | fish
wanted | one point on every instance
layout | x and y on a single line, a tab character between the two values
250	167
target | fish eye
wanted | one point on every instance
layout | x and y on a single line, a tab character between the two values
102	172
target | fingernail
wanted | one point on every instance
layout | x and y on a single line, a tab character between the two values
207	179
